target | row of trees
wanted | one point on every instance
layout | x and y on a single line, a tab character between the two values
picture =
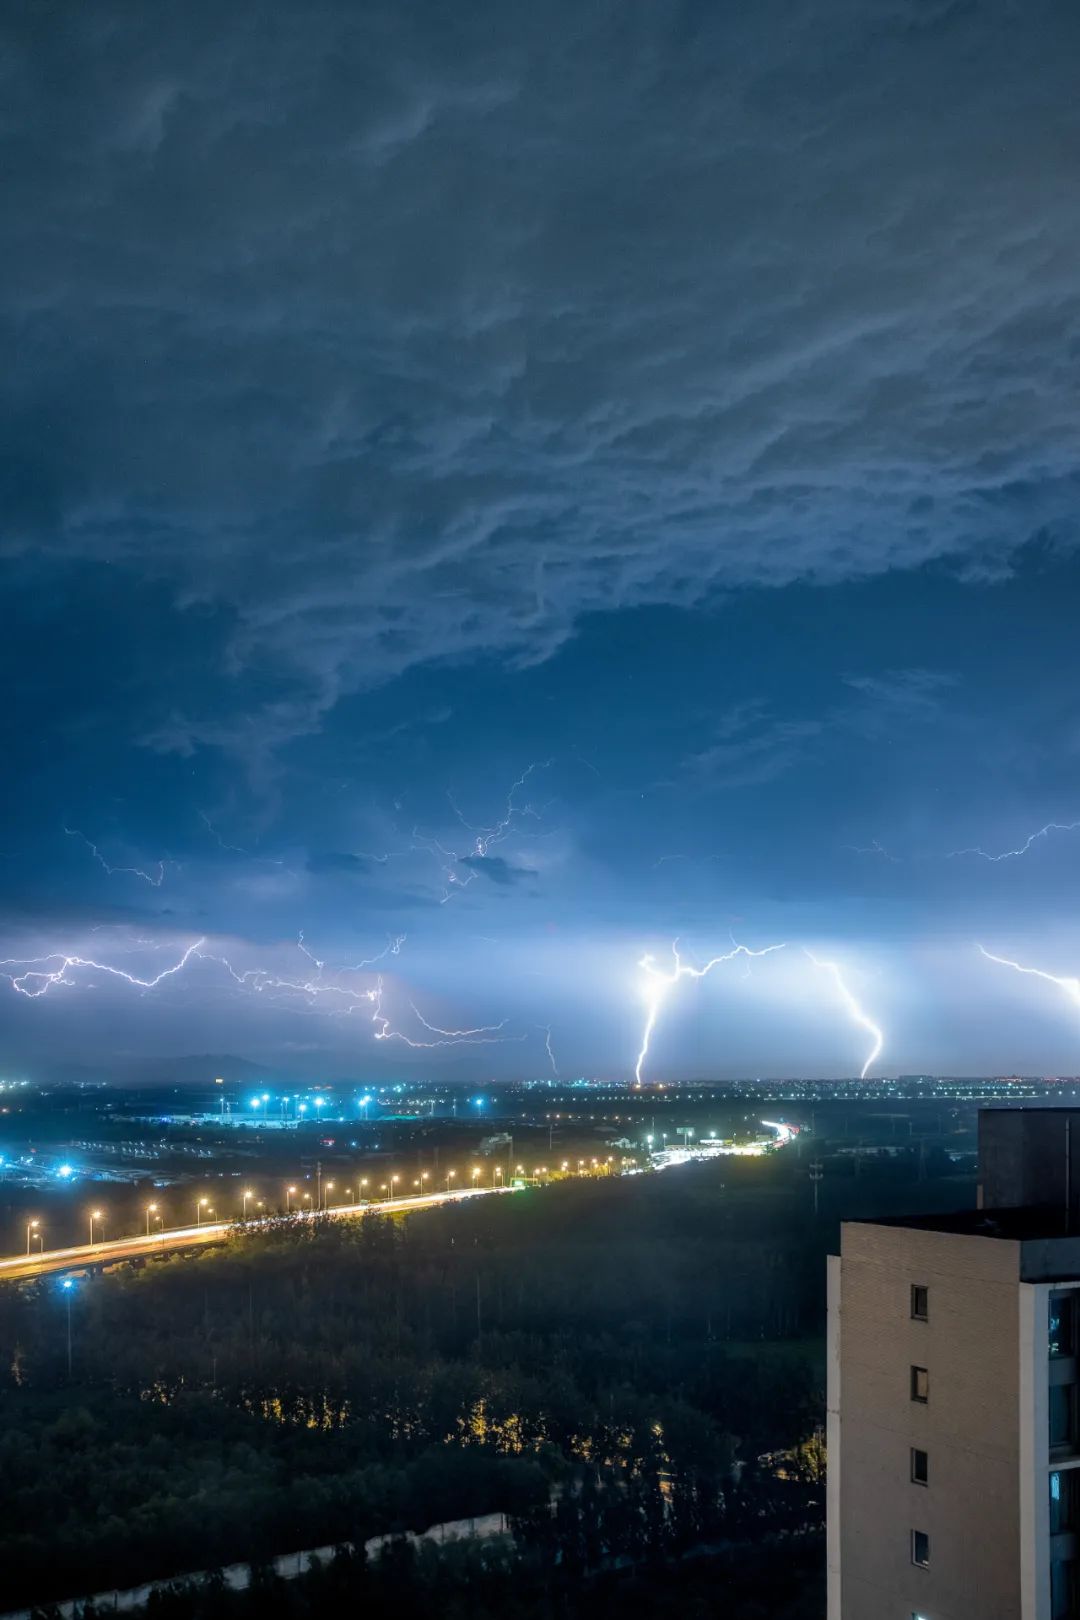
630	1345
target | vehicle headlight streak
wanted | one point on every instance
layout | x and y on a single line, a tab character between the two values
659	984
858	1015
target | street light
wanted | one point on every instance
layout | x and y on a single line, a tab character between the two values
246	1194
307	1200
151	1209
497	1172
328	1188
200	1205
32	1231
363	1184
450	1174
424	1176
289	1191
95	1215
393	1182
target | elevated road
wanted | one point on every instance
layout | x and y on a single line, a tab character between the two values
19	1267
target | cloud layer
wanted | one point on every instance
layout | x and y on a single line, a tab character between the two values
404	334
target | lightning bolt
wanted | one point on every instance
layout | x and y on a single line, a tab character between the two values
1070	985
1022	849
484	839
873	848
659	984
33	977
122	871
858	1016
35	980
550	1053
483	1035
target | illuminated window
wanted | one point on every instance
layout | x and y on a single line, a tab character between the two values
920	1467
920	1303
920	1549
1062	1325
920	1385
1064	1502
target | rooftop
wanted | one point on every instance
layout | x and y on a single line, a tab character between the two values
1028	1224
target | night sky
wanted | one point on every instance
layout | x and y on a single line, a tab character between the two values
507	486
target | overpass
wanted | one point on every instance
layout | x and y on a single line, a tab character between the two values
19	1267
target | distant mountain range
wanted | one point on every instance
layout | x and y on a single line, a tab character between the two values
192	1069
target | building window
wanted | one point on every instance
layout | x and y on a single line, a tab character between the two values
920	1549
1063	1588
920	1303
1062	1417
1062	1325
1064	1501
920	1467
920	1385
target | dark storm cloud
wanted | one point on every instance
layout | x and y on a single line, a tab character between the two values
397	334
496	869
338	862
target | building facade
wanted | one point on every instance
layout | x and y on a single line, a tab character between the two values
954	1412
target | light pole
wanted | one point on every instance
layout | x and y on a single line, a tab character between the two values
497	1172
68	1286
393	1182
349	1195
288	1199
327	1190
32	1231
450	1174
200	1205
363	1184
151	1209
307	1200
246	1194
424	1176
95	1215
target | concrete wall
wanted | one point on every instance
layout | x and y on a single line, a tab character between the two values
969	1428
1031	1157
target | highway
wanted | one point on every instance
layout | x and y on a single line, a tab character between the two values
19	1267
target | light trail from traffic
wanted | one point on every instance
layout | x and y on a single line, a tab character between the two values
21	1267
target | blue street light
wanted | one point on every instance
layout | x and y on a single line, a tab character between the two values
67	1288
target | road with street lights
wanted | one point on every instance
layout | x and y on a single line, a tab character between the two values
108	1251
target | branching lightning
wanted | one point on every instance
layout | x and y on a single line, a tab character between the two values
1022	849
35	978
858	1016
326	989
484	839
658	985
1071	986
155	879
874	848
